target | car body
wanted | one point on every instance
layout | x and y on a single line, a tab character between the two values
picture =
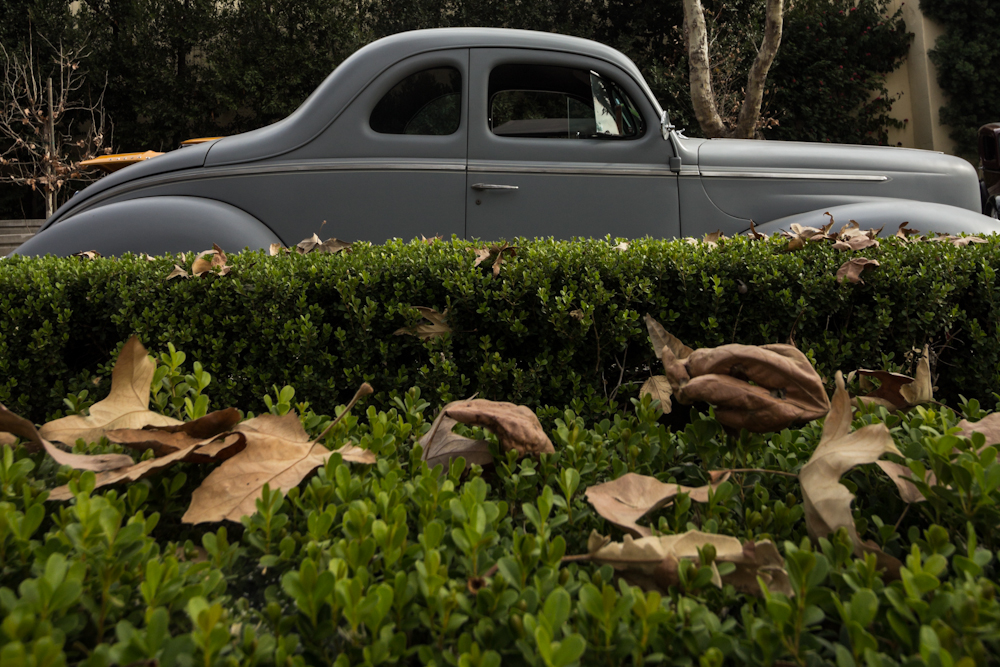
488	134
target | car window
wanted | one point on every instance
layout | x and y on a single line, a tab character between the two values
428	102
545	101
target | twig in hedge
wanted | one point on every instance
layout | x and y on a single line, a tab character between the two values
762	470
363	390
621	374
901	517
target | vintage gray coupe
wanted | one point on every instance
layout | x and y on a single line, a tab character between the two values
488	134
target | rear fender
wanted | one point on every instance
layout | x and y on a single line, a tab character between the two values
889	214
152	225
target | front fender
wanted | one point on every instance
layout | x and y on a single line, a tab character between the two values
890	213
152	225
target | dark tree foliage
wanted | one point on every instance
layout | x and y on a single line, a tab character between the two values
967	58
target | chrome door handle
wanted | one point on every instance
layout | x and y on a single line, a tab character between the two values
492	186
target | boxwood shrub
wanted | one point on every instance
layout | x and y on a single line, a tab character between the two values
559	325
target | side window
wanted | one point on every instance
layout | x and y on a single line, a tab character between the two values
545	101
428	102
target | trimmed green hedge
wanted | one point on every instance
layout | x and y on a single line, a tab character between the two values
560	325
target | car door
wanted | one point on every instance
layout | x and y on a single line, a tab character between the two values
392	164
563	145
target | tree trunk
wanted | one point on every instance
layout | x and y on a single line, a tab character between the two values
746	126
700	72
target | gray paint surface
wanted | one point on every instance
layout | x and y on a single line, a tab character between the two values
324	163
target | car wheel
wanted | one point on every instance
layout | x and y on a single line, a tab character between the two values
991	209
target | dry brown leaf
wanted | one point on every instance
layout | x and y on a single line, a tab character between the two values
212	449
796	243
501	251
842	245
178	272
754	234
437	326
989	426
660	389
19	426
901	392
904	232
827	502
660	338
901	476
962	241
442	446
7	439
127	406
577	314
515	426
306	245
211	424
714	239
278	452
131	473
630	497
87	254
275	249
621	247
482	254
652	563
785	390
852	268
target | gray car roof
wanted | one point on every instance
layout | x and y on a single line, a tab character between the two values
354	74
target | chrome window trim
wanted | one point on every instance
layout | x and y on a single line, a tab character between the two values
791	175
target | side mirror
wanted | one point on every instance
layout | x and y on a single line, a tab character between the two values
666	127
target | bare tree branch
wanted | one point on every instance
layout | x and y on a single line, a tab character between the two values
746	126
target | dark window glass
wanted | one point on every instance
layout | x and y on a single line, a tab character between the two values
428	102
989	148
544	101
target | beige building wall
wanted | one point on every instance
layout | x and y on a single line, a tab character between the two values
916	79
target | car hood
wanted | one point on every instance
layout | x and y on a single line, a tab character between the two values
852	173
188	157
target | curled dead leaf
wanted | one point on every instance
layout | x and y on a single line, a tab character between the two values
178	272
87	254
437	326
659	388
213	260
516	427
851	269
904	231
625	500
714	239
989	426
660	338
754	234
901	476
276	249
622	247
127	406
901	392
827	502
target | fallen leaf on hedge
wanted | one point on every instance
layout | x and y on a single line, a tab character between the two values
921	390
212	449
275	249
660	338
797	243
19	426
441	445
515	426
127	406
786	388
852	268
901	476
827	502
278	452
625	500
901	392
178	272
957	241
754	234
714	239
331	246
7	439
482	254
904	232
758	559
213	260
577	314
501	250
87	254
989	426
131	473
652	563
214	423
437	326
622	247
659	388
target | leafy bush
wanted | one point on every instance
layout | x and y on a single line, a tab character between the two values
560	325
398	563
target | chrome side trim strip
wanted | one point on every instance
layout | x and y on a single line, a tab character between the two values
788	175
584	168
